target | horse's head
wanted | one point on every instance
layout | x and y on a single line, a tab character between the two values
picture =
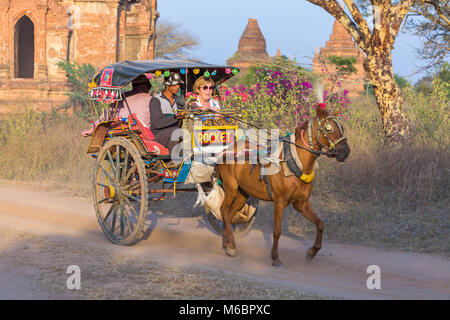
329	133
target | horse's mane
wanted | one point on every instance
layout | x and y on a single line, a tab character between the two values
300	128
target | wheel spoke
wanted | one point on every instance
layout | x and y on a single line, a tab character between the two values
132	169
109	212
125	165
113	224
133	212
129	196
122	218
112	164
103	200
101	184
107	174
118	162
131	186
124	210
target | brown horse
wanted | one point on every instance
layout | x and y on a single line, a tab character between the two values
241	180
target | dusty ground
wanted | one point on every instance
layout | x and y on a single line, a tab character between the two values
181	258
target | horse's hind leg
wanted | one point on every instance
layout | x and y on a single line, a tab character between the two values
307	211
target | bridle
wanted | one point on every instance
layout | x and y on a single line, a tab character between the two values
325	127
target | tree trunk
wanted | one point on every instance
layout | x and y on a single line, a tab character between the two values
378	67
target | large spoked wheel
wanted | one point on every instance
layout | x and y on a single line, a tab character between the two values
120	191
239	229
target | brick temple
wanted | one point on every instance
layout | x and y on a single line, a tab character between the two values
252	48
35	34
341	44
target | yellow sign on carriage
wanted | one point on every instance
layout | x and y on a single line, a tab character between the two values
213	136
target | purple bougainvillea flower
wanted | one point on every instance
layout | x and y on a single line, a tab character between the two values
306	84
270	85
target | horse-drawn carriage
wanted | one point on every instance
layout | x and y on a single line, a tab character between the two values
133	171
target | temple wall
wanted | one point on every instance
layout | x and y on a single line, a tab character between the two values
93	41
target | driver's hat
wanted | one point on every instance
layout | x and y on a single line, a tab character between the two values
173	79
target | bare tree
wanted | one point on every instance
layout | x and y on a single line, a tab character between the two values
378	43
172	42
430	20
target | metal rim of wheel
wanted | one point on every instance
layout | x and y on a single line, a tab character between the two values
239	230
120	191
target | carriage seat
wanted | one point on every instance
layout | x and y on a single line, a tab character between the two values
147	136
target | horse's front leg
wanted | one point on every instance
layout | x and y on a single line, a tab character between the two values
307	211
237	203
279	207
228	238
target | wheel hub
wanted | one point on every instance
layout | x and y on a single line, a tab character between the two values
110	192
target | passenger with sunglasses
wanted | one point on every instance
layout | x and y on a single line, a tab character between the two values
203	99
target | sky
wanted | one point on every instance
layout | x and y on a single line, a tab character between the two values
296	26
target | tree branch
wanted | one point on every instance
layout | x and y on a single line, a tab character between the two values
399	12
359	19
333	8
439	11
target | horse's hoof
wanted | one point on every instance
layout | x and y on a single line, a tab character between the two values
230	252
277	263
309	254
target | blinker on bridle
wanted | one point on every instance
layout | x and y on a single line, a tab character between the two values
325	129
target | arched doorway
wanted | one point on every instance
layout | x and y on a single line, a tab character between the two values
24	48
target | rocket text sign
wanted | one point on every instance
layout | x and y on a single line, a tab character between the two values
213	136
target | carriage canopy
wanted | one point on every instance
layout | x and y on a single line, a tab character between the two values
108	83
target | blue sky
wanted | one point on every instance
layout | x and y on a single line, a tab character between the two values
296	26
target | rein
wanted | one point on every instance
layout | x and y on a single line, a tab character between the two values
328	153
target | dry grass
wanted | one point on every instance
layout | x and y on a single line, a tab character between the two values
45	148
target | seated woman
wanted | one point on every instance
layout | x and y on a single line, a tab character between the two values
203	99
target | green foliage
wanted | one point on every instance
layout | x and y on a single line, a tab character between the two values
79	77
344	66
252	76
401	82
425	84
430	110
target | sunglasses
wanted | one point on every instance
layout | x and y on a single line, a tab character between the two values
206	88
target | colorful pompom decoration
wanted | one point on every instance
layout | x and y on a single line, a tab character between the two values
206	74
227	70
157	73
214	73
196	71
235	71
166	73
183	71
149	75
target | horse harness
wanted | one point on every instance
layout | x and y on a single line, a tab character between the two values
291	157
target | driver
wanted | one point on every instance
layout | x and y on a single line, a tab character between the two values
163	110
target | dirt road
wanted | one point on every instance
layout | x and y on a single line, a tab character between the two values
43	233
